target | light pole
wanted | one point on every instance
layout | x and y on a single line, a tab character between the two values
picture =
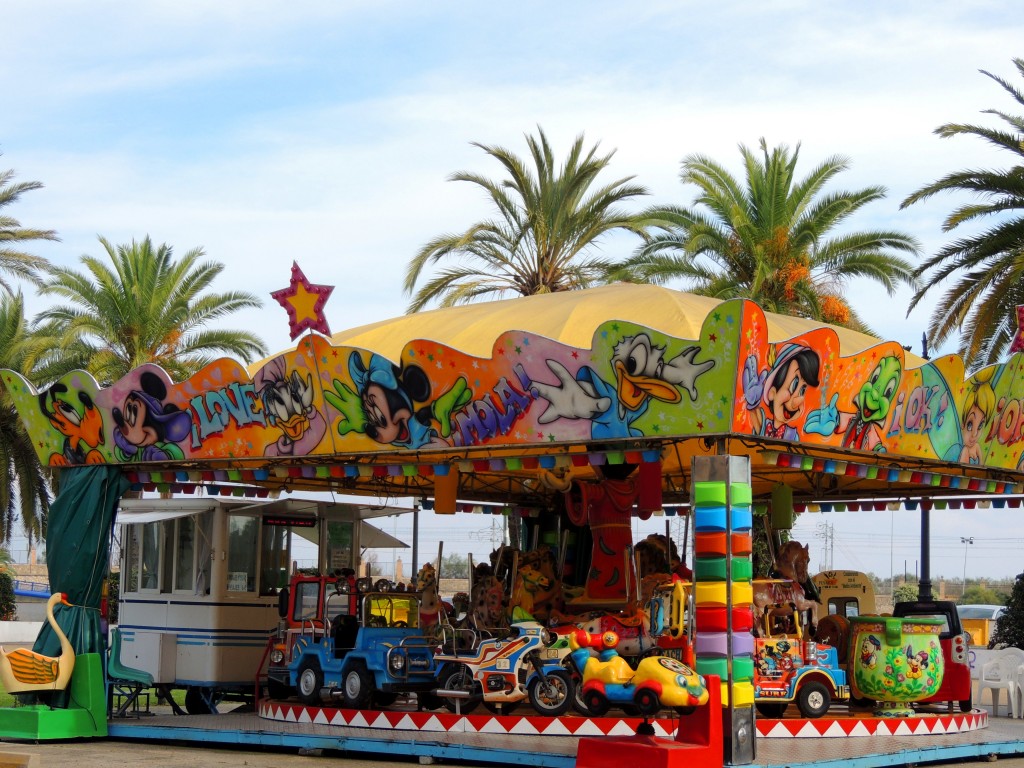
965	540
827	532
892	581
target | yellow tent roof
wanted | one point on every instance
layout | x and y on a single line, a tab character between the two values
570	317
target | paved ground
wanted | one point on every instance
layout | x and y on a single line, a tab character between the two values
120	754
123	754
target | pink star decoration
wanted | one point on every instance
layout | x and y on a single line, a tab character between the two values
304	301
1017	345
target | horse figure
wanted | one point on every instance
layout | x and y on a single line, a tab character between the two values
530	583
430	604
543	560
460	605
792	563
792	560
505	559
547	593
658	555
655	555
790	583
487	600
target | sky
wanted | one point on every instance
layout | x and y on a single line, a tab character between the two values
324	133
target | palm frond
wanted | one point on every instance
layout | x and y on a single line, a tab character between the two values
986	267
140	304
770	239
550	219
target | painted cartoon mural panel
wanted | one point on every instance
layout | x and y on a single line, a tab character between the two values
393	405
634	382
324	400
995	398
76	425
146	426
867	386
804	390
779	384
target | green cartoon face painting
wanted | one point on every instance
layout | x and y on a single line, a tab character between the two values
875	396
862	430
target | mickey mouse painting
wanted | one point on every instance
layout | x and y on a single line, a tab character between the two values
147	428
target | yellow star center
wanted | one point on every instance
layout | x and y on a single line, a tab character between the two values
304	303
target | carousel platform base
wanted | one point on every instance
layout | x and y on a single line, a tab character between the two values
544	741
841	724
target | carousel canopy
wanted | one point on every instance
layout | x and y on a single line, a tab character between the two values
508	402
570	317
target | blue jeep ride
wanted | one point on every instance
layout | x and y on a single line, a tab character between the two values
368	662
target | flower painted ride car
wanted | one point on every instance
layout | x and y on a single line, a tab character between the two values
789	666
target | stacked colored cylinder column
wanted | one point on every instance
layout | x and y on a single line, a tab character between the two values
723	592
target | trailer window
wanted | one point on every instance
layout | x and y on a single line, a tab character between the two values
184	553
167	560
150	556
339	546
844	606
275	557
242	551
205	554
131	558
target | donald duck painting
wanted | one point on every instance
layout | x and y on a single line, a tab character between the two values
642	374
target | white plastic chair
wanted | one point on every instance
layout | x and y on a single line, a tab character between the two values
1017	705
1000	674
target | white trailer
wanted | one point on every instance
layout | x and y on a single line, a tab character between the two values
200	580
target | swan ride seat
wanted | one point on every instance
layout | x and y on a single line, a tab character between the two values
128	686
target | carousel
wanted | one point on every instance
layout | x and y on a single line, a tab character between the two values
573	413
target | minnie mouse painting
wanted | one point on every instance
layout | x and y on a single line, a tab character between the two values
147	428
383	404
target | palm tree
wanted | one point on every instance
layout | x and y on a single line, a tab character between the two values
148	309
24	488
772	238
982	302
23	480
548	220
13	261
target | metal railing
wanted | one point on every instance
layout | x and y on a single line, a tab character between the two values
31	589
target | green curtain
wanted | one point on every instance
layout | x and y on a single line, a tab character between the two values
78	554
